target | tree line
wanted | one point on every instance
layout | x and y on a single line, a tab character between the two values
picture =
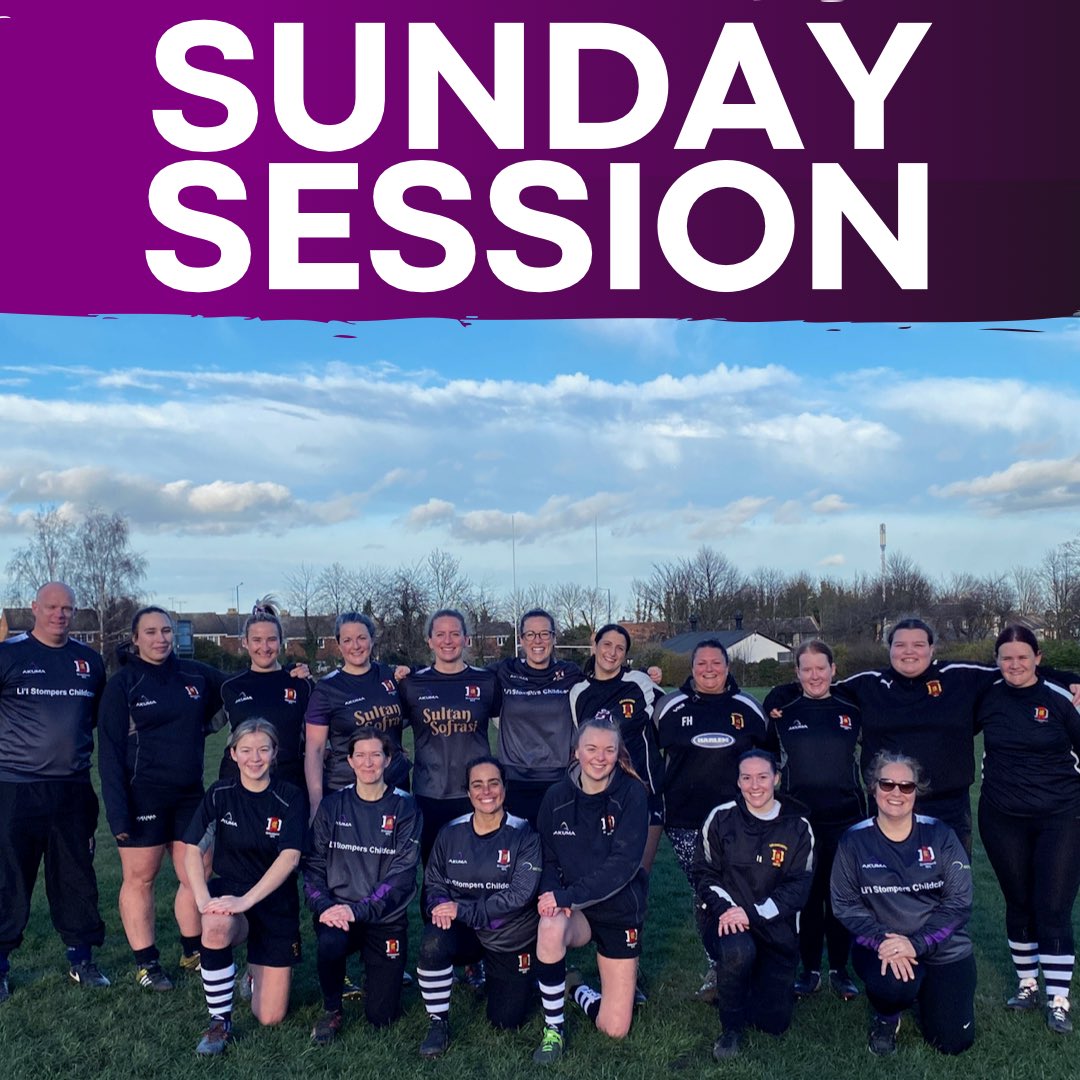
704	591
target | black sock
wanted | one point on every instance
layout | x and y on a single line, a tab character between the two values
78	954
147	957
189	944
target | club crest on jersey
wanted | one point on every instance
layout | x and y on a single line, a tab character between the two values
1042	713
388	685
933	688
472	693
926	856
737	721
632	937
273	826
388	821
192	692
524	963
777	853
559	674
627	709
393	948
503	858
290	695
607	824
845	723
82	667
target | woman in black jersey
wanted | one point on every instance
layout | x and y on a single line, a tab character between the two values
448	705
818	735
359	879
152	724
361	693
752	874
593	825
254	827
480	891
901	883
269	692
1031	831
701	729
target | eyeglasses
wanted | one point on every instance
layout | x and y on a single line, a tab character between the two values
538	635
906	787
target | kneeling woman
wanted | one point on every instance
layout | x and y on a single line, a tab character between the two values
359	878
901	883
752	873
481	882
593	826
255	828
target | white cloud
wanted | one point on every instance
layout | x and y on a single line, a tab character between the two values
1024	485
832	560
830	504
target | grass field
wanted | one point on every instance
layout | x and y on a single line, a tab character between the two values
50	1028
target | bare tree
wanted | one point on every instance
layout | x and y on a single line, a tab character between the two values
105	572
302	596
907	588
568	600
46	556
449	587
1060	574
1027	585
336	589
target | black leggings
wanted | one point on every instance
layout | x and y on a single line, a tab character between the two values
945	993
754	979
382	947
1037	862
510	976
817	923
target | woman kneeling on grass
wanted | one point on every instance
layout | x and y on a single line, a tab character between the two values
480	884
752	874
359	879
255	827
593	826
901	883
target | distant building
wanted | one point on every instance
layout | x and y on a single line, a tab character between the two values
746	645
20	620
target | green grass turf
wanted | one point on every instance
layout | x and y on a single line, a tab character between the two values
51	1028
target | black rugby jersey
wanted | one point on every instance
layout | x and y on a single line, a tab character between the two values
449	715
277	696
249	829
342	702
363	854
48	701
493	879
153	723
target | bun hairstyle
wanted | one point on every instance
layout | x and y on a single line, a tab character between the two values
126	649
266	609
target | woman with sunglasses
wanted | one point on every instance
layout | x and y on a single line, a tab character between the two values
1032	831
901	883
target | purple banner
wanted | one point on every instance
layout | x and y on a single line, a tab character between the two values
747	159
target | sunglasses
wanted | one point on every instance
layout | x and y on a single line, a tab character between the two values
907	787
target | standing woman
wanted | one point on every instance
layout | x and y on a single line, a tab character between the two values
752	874
819	735
154	716
1031	830
359	878
361	693
612	689
268	691
901	884
254	825
593	825
480	886
448	706
702	729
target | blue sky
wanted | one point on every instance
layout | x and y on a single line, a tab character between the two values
239	449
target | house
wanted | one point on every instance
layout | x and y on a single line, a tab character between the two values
746	645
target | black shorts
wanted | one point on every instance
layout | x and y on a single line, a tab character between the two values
160	815
656	810
615	942
273	923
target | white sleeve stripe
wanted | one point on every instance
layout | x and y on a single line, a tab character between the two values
722	894
767	910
